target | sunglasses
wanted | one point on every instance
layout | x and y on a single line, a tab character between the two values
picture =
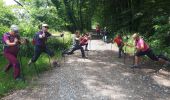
15	31
46	26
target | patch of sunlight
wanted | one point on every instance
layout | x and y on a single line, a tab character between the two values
163	72
102	89
113	64
84	60
103	63
94	69
147	70
79	60
71	60
127	74
161	80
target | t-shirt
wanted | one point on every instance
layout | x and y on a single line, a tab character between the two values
7	36
97	29
84	40
139	43
118	40
41	41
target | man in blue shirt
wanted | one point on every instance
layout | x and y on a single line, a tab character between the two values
40	40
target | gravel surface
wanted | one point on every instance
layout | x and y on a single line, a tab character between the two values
102	76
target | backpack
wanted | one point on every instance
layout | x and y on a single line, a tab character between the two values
34	39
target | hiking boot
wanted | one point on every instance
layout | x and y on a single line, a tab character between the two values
135	66
167	64
55	64
84	57
86	49
19	79
30	62
63	54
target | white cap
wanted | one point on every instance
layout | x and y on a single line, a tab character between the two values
44	25
14	28
135	35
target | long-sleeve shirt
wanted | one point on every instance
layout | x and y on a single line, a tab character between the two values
41	41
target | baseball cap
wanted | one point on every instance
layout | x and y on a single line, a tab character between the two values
44	25
135	35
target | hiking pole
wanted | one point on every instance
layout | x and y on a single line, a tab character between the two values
133	60
63	46
90	41
32	64
124	52
111	45
22	72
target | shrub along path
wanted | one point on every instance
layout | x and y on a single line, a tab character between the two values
102	76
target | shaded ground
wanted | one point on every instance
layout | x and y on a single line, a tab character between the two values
102	76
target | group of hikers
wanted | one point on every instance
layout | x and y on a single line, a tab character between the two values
102	32
141	48
12	41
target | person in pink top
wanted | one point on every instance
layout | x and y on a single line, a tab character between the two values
142	48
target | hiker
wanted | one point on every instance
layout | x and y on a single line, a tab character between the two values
76	45
142	48
39	41
105	34
11	48
119	41
84	40
98	30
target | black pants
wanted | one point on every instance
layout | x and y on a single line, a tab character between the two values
76	47
86	45
149	53
120	49
38	50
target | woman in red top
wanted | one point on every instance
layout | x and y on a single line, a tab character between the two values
84	40
119	41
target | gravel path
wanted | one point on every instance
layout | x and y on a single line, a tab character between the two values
102	76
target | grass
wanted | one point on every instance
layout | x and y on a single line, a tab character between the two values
7	82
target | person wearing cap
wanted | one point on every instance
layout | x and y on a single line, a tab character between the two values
142	48
11	49
40	40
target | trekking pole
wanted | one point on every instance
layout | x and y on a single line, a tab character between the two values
133	60
125	53
90	41
124	58
63	48
111	44
22	71
33	64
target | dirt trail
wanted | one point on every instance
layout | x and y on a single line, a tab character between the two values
102	76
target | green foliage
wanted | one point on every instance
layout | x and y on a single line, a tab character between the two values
3	29
6	15
28	18
148	17
76	13
27	30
